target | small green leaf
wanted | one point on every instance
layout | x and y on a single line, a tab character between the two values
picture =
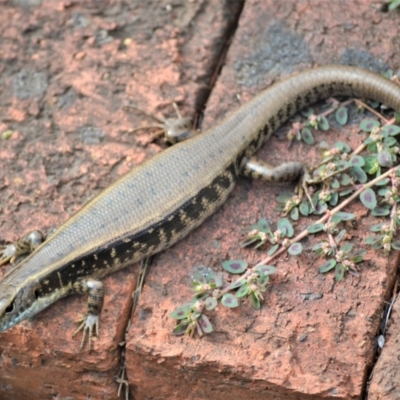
367	125
345	216
259	244
285	226
372	148
340	235
334	199
382	182
391	130
369	140
339	272
345	180
243	291
284	197
357	160
256	301
323	145
249	241
182	311
229	300
372	240
198	278
265	270
307	136
211	303
318	245
345	192
316	228
320	171
213	278
235	266
383	191
205	324
304	208
380	212
335	183
263	280
377	227
368	198
336	219
374	104
384	159
377	246
343	147
358	174
236	284
358	256
396	245
388	73
327	266
295	249
342	115
272	250
323	123
346	248
320	208
354	272
294	214
390	141
343	164
180	329
263	225
393	5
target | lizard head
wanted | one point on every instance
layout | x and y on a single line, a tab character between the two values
17	304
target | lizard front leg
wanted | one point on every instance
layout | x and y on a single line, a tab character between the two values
90	323
26	245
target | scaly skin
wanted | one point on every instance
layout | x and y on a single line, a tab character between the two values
162	200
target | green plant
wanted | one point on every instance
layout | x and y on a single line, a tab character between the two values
368	173
393	4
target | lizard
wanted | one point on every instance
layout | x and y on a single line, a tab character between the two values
159	202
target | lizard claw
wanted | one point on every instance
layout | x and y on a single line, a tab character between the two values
89	324
302	186
27	244
8	253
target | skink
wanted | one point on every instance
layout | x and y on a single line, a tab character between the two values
162	200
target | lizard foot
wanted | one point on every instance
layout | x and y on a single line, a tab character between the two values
26	245
89	325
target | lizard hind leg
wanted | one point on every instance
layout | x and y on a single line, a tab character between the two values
174	130
286	172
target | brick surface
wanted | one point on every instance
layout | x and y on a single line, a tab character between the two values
67	69
292	348
385	382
